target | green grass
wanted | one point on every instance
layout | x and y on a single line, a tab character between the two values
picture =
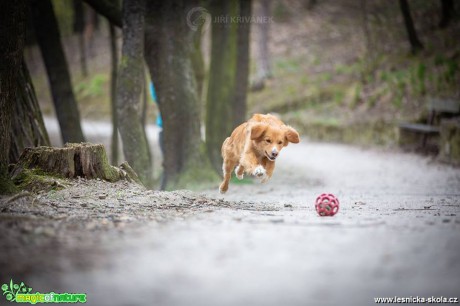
247	180
391	87
94	87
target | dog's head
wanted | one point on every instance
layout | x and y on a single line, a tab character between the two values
269	139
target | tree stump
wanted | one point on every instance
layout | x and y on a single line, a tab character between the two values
73	160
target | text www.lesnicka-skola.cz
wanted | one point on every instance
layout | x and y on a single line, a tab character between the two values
416	300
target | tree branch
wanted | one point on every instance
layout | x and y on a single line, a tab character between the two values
108	9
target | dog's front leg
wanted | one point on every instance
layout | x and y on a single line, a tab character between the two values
251	165
269	167
239	171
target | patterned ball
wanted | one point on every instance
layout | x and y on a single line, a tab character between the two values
327	205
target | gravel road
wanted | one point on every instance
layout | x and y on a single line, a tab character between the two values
396	234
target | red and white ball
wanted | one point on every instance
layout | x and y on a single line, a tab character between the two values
327	204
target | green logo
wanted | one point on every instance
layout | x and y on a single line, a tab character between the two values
21	293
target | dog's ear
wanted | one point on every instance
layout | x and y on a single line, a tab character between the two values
258	130
292	135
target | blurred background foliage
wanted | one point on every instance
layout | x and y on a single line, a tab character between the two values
336	64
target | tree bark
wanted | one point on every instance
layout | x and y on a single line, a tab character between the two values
242	64
145	98
415	43
310	4
447	11
108	9
369	62
167	54
113	88
91	24
28	128
129	90
143	114
48	37
198	61
263	58
12	36
78	26
222	80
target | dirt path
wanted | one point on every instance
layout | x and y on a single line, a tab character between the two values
396	234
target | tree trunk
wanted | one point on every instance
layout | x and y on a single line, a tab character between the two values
113	88
74	160
107	8
168	48
310	4
91	25
447	11
145	98
143	114
242	64
12	36
28	128
263	58
48	37
129	90
198	61
222	79
369	61
415	43
78	26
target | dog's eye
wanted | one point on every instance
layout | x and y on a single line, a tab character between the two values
280	142
268	140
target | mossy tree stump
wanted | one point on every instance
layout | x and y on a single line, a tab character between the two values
73	160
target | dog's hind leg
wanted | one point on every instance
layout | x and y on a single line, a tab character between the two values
227	169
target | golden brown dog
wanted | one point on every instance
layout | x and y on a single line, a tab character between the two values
254	146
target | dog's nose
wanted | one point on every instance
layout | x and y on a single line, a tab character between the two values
274	154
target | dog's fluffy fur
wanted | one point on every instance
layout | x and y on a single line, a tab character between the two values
253	147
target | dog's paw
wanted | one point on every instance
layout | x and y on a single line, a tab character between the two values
260	172
239	176
223	189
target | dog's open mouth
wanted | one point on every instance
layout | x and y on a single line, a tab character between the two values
271	158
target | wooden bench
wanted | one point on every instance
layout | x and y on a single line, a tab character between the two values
410	133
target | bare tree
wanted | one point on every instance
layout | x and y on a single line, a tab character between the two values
78	27
107	8
129	89
167	53
48	37
310	4
27	128
447	11
222	79
242	64
113	88
12	36
112	12
197	59
263	58
415	43
91	25
144	110
369	52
